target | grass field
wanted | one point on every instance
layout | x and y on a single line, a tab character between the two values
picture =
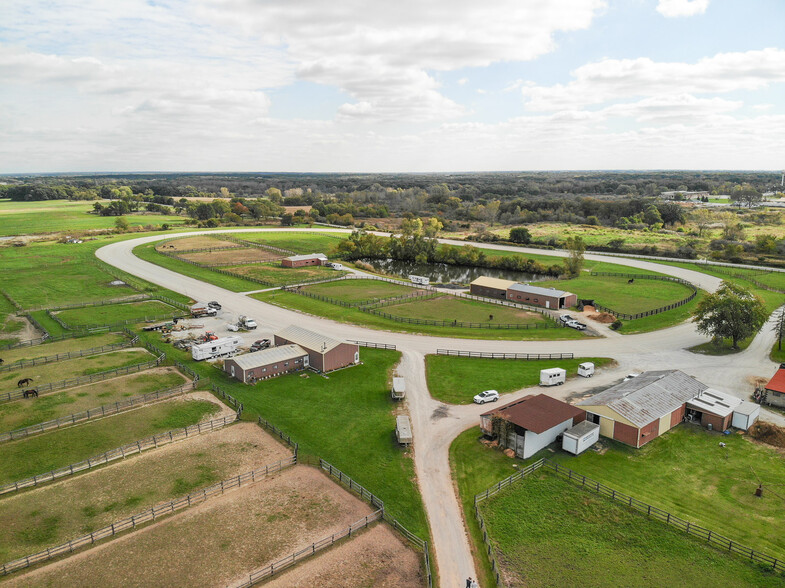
48	323
42	453
55	513
450	308
282	276
297	242
64	346
457	379
352	315
589	265
72	368
663	320
116	313
25	218
548	532
360	290
17	415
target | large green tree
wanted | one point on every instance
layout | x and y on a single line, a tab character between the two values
574	261
732	312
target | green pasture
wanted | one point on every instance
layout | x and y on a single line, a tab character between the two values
39	454
281	276
298	242
457	379
32	411
48	323
116	313
450	308
73	368
548	532
25	218
355	316
76	344
360	290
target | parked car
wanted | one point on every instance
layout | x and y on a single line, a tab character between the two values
260	344
566	318
214	305
487	396
576	325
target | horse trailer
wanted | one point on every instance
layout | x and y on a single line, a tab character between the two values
553	377
223	347
586	369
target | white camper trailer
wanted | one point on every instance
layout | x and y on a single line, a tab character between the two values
419	280
553	377
222	347
586	369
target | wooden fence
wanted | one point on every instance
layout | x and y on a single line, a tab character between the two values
68	355
231	400
351	484
491	355
361	304
149	515
101	327
121	452
264	423
461	325
629	317
99	412
373	345
752	280
105	302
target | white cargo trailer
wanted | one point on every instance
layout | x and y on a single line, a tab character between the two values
222	347
398	388
580	437
745	415
403	430
553	377
586	369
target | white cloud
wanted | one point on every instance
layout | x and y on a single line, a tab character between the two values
680	8
614	79
462	81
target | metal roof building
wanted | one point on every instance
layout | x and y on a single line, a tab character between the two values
539	296
267	363
325	353
490	287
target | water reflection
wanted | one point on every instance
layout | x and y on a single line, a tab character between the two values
444	273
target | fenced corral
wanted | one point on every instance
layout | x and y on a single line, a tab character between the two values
630	317
724	544
419	543
748	277
188	371
351	484
38	326
370	303
460	324
373	345
491	355
47	338
121	452
106	302
265	424
231	400
257	244
178	309
149	515
277	567
69	355
99	412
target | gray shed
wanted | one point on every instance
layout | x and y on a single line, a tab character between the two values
403	430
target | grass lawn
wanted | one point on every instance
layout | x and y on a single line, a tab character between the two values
458	379
36	455
64	346
778	355
17	415
56	513
663	320
116	313
297	242
24	218
687	473
450	308
72	368
360	290
548	532
281	276
616	293
352	315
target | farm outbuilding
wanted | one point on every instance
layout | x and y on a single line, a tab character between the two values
532	423
490	287
774	392
304	260
713	409
642	408
580	437
538	296
267	363
745	415
325	354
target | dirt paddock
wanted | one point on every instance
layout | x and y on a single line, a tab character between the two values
215	542
199	242
246	255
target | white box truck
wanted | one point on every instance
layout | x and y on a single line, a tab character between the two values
553	377
222	347
586	369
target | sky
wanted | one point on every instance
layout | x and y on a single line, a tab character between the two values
381	86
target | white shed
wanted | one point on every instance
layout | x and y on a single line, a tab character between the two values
586	369
580	437
553	377
745	415
403	429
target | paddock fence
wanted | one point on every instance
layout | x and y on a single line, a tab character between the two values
132	321
629	317
749	278
258	245
265	424
38	326
374	345
231	400
97	413
149	515
140	446
460	324
105	302
361	304
492	355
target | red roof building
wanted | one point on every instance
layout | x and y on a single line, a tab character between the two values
774	393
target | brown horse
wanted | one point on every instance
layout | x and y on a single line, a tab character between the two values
24	382
28	393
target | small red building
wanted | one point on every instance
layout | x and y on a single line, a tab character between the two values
304	260
774	392
325	353
538	296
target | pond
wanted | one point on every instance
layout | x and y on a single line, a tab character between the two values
443	273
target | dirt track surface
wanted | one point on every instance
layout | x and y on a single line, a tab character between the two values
376	557
216	542
664	349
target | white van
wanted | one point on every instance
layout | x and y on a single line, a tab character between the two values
553	377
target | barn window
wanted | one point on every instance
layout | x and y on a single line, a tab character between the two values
286	364
776	394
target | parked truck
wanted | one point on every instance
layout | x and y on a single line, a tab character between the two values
202	309
222	347
244	323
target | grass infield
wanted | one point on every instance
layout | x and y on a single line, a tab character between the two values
116	313
300	243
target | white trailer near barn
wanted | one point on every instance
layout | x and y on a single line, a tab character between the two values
553	377
745	415
398	391
403	430
580	437
586	369
222	347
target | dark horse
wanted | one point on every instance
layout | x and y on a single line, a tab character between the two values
29	393
631	280
24	382
2	361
